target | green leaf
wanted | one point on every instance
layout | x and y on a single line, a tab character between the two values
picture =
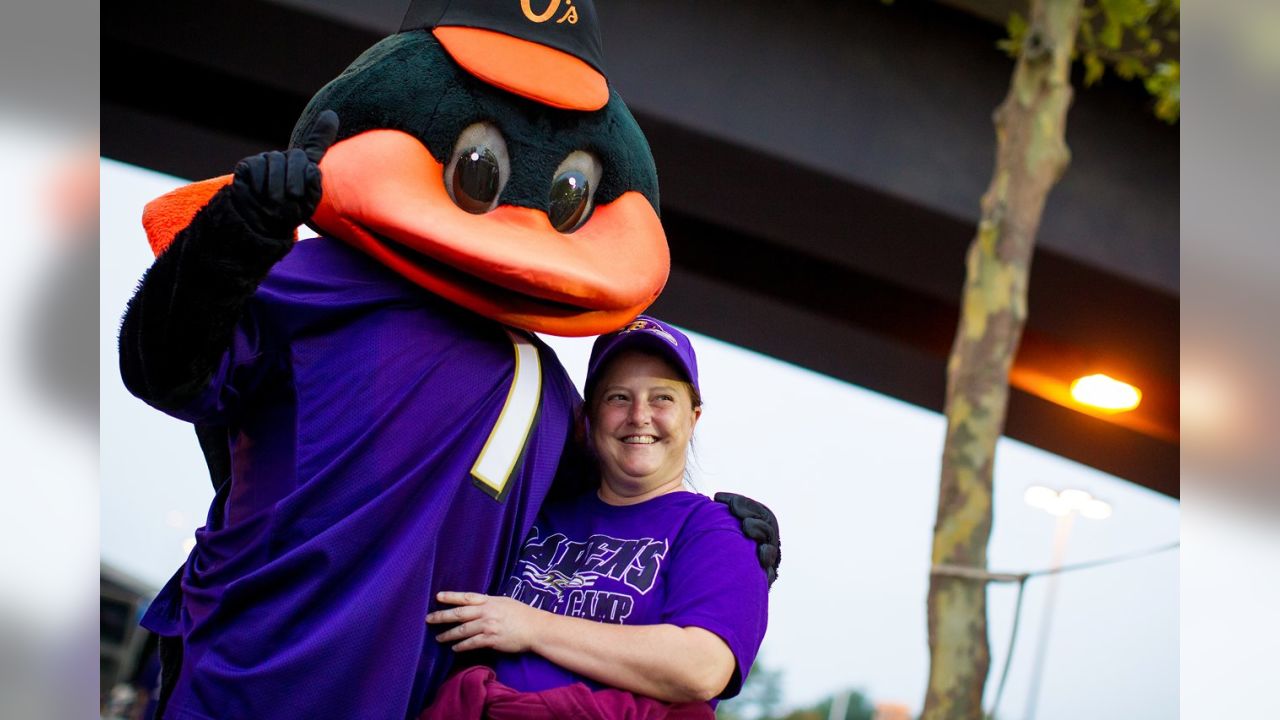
1127	13
1112	33
1093	69
1130	68
1087	40
1017	28
1167	108
1017	25
1165	83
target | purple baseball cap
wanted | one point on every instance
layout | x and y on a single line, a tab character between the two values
645	333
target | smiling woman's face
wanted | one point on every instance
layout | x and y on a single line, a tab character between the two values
642	418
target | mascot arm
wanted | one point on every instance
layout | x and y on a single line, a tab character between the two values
180	321
759	524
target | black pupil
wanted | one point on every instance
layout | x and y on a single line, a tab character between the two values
475	179
569	195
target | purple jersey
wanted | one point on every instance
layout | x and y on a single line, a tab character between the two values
678	559
371	469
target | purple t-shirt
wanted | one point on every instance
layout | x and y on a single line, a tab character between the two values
678	559
357	405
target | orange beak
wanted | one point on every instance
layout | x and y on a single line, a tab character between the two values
384	193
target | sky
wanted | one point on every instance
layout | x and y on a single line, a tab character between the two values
852	476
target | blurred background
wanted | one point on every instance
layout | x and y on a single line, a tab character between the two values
821	165
48	376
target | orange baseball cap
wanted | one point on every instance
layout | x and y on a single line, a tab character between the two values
545	50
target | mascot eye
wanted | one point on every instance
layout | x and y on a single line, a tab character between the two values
572	190
478	168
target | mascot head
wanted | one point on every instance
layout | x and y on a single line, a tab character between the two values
483	156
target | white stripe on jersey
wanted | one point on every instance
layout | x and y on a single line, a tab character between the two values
506	442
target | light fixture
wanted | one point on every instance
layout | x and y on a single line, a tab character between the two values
1105	393
1065	505
1040	497
1066	502
1096	510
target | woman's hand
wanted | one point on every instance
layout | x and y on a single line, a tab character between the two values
487	621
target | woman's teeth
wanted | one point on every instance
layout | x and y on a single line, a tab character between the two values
639	439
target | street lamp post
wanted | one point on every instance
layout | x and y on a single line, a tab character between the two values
1065	505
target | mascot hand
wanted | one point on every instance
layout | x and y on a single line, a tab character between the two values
275	192
759	524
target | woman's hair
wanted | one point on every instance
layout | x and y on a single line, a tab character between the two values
593	383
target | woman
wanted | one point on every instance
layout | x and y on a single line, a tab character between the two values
638	584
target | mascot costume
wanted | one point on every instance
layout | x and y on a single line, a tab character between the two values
388	421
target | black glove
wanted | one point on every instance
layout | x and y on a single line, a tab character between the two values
275	192
759	524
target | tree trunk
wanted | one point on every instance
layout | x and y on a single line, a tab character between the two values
1031	156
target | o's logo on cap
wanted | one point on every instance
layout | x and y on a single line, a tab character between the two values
570	16
552	6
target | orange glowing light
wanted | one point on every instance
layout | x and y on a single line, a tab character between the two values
1105	393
